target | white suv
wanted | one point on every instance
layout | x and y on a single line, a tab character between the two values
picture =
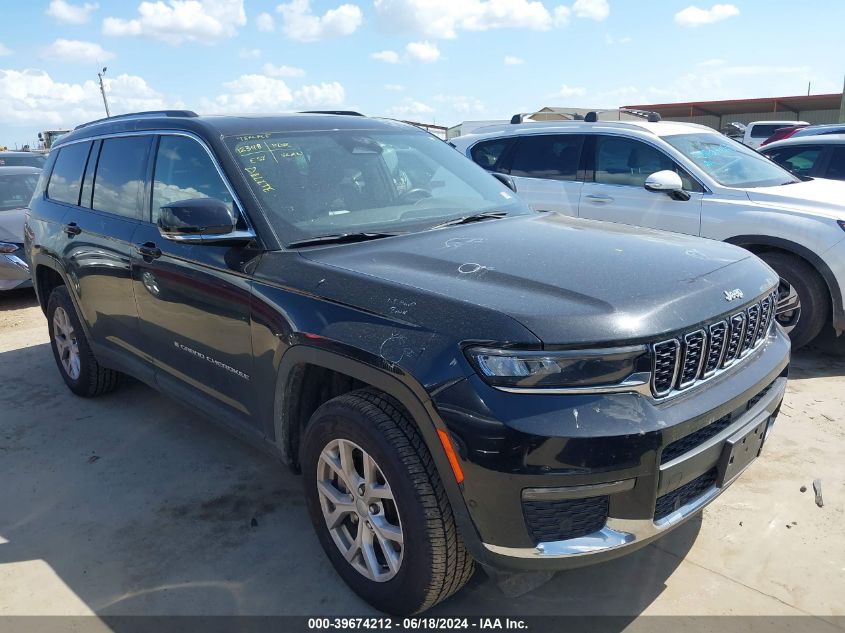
689	179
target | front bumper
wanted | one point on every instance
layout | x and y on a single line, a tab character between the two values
608	472
14	270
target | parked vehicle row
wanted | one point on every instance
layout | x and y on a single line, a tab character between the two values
459	378
689	179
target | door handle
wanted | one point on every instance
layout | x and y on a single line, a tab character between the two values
600	198
72	229
149	250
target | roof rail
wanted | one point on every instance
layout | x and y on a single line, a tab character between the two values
337	112
651	117
141	115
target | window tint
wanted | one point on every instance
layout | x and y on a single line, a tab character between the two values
489	153
16	190
67	173
798	160
183	170
836	168
623	161
548	156
765	131
120	175
34	160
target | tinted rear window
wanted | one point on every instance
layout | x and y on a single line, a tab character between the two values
548	156
16	190
120	175
836	168
66	178
765	131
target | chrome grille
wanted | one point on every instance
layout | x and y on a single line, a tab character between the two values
693	355
681	362
717	342
665	367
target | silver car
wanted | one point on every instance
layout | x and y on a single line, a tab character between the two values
16	187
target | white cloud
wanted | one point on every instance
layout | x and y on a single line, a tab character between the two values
423	52
443	18
249	53
259	93
75	51
282	71
71	13
561	16
611	41
510	60
592	9
389	57
460	104
569	91
320	95
265	22
394	87
5	50
302	25
694	16
410	109
32	96
177	21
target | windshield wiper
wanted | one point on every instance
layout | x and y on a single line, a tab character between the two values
475	217
340	238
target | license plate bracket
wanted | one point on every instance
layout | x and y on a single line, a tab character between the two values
741	449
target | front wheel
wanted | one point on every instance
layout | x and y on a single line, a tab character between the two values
378	506
803	299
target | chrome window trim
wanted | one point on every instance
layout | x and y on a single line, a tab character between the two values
250	232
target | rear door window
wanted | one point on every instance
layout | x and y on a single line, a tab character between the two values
836	166
491	154
550	156
119	181
766	130
66	179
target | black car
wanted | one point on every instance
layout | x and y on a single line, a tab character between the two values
458	378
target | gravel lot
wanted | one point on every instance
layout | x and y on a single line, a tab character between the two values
131	504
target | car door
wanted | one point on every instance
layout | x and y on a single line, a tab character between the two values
103	211
544	168
193	298
614	191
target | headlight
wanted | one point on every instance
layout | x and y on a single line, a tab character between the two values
618	368
5	247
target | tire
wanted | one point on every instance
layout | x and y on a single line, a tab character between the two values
812	294
433	562
85	377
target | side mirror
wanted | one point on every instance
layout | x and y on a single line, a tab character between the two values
506	180
197	219
668	182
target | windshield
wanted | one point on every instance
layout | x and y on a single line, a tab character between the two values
728	162
16	190
336	182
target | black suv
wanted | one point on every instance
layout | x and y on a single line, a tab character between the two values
458	378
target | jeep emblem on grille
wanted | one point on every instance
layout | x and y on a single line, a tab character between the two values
730	295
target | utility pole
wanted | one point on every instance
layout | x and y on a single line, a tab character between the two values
103	91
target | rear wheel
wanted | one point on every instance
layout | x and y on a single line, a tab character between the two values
80	370
803	299
378	505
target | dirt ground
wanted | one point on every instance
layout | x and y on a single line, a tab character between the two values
130	504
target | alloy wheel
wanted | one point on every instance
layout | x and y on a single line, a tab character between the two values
359	510
788	309
66	344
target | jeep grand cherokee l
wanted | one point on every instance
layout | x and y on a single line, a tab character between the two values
458	378
686	178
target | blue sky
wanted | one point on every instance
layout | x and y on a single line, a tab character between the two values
440	61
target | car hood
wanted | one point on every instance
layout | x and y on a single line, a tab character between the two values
818	197
11	225
567	280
